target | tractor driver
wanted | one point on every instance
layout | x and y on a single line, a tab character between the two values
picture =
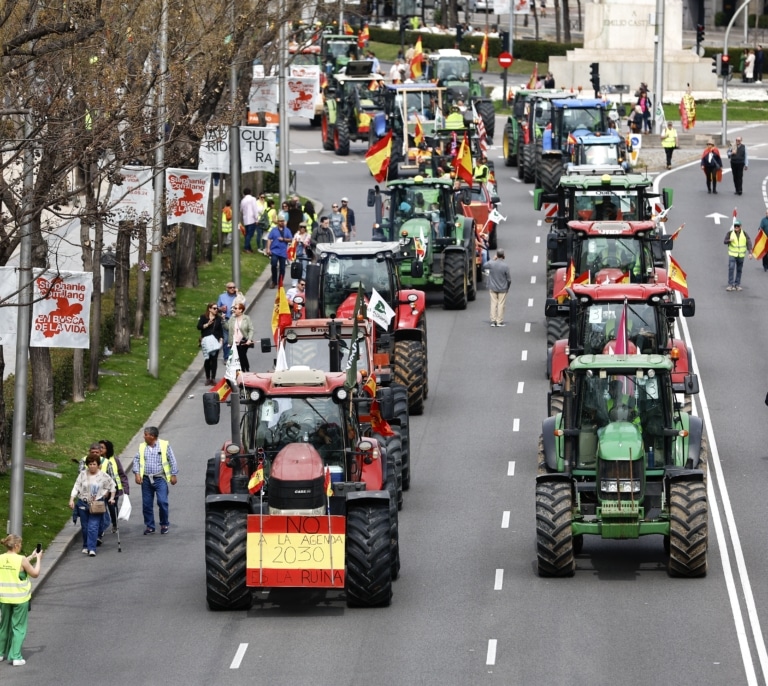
621	405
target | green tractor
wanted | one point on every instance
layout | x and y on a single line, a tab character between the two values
352	99
451	70
437	243
517	126
622	461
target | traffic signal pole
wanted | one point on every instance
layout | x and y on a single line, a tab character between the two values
724	134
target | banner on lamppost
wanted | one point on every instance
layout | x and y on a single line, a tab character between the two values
214	151
263	97
133	199
258	148
186	195
301	95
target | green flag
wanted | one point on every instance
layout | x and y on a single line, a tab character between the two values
354	346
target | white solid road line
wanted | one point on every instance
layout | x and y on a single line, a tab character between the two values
239	656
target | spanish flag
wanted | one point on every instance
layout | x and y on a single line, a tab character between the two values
484	54
584	277
370	385
327	483
378	423
462	163
761	245
257	478
570	276
676	278
377	157
534	77
418	132
281	315
626	277
363	37
677	233
417	60
222	389
292	249
348	30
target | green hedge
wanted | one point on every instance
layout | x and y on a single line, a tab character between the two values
534	51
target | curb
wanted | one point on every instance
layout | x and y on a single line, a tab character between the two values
188	380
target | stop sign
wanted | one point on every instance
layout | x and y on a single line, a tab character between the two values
505	60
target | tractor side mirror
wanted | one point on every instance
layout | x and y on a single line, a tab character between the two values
371	197
211	408
689	307
551	241
417	269
296	268
691	383
266	345
386	402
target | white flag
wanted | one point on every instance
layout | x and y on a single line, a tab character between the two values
379	310
233	365
281	362
495	216
186	192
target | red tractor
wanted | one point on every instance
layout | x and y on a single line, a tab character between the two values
299	496
611	318
326	344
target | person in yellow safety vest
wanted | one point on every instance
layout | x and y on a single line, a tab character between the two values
154	467
455	120
112	466
226	222
15	594
481	172
739	244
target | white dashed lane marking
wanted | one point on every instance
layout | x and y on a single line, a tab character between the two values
239	655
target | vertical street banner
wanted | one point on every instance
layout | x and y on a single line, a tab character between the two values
9	298
258	148
303	92
263	98
133	200
214	151
61	309
186	196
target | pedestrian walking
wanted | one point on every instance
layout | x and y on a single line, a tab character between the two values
739	163
749	67
759	64
249	215
111	464
712	166
211	324
241	333
88	500
15	594
278	241
349	218
323	234
338	225
226	222
499	281
154	467
224	303
669	142
739	244
764	227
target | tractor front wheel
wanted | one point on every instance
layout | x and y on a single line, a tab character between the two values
454	281
550	171
326	131
225	560
400	395
369	563
529	163
688	532
488	114
554	540
341	136
507	145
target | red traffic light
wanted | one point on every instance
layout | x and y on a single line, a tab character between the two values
726	59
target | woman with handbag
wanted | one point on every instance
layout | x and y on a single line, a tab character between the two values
240	330
92	489
212	338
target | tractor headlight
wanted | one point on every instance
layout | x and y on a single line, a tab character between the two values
620	485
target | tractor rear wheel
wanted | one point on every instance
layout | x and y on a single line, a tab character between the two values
409	371
507	145
555	404
212	477
688	534
529	163
326	131
554	540
423	327
472	271
341	136
395	503
400	394
488	114
550	171
369	564
394	449
225	560
557	329
454	281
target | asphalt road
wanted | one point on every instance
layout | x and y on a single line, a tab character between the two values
468	607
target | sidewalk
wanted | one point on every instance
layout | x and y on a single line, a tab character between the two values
188	381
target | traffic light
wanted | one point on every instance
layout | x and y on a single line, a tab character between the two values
403	24
717	63
725	65
699	34
594	76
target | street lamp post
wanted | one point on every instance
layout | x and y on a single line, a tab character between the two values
724	133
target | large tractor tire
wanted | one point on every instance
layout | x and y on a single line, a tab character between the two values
472	271
556	402
488	114
400	394
424	348
225	560
369	555
393	446
508	147
688	537
557	329
326	131
394	505
550	171
212	477
454	281
555	554
315	121
409	371
341	136
529	163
